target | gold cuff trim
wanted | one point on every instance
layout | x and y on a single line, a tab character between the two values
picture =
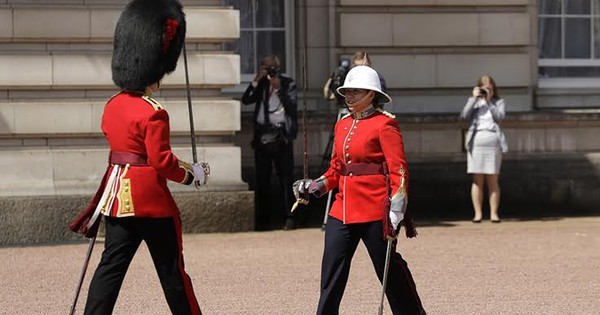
189	171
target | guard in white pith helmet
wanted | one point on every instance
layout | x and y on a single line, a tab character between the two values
369	169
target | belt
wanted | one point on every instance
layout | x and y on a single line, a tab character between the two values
123	158
358	169
271	127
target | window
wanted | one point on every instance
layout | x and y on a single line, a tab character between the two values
569	39
265	28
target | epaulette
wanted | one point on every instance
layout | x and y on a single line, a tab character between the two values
152	102
386	113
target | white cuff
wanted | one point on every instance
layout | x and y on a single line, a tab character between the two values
395	218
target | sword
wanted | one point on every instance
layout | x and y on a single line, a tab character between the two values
190	109
204	165
386	270
341	113
304	198
82	276
299	201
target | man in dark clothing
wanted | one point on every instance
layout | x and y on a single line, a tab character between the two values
275	128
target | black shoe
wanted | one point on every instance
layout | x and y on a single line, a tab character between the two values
496	221
290	224
476	221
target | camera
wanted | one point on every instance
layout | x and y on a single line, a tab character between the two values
345	64
483	92
337	79
272	71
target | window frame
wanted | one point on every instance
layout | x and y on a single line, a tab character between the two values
570	82
290	60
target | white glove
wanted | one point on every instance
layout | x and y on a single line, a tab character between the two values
200	176
395	218
303	186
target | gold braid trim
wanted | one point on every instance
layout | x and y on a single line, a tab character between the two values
124	199
386	113
189	171
402	188
156	105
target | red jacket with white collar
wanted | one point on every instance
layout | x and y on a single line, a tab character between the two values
373	139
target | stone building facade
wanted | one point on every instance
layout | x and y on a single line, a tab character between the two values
55	78
431	53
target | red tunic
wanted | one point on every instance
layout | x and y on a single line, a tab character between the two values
373	139
137	124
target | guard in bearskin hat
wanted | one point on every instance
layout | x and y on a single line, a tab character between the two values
133	197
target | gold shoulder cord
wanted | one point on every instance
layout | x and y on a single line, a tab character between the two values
156	105
390	115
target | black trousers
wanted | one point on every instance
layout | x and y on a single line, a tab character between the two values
341	241
123	237
281	156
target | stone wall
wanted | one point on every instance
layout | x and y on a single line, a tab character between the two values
55	78
430	52
552	167
44	219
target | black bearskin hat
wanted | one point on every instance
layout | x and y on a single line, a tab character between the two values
148	40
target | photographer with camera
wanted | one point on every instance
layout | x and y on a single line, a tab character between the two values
275	128
359	58
485	142
336	80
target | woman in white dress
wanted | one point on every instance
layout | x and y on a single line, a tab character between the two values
485	142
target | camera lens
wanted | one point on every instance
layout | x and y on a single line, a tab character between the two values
272	71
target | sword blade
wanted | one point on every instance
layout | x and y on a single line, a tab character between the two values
386	270
82	275
190	109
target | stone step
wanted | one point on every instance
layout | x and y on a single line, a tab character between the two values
62	117
75	171
93	70
44	219
82	23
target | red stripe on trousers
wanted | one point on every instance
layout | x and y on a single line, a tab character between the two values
187	282
410	279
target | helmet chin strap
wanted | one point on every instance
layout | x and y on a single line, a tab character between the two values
362	104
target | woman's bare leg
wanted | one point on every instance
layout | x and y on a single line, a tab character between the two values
477	195
494	195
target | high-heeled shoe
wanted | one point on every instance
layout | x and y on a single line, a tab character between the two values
496	220
476	220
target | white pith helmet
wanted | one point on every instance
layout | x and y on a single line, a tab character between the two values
364	77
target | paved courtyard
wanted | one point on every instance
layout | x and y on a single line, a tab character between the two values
544	266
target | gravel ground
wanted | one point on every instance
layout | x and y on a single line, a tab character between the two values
545	266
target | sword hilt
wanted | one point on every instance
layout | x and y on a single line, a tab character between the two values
299	201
